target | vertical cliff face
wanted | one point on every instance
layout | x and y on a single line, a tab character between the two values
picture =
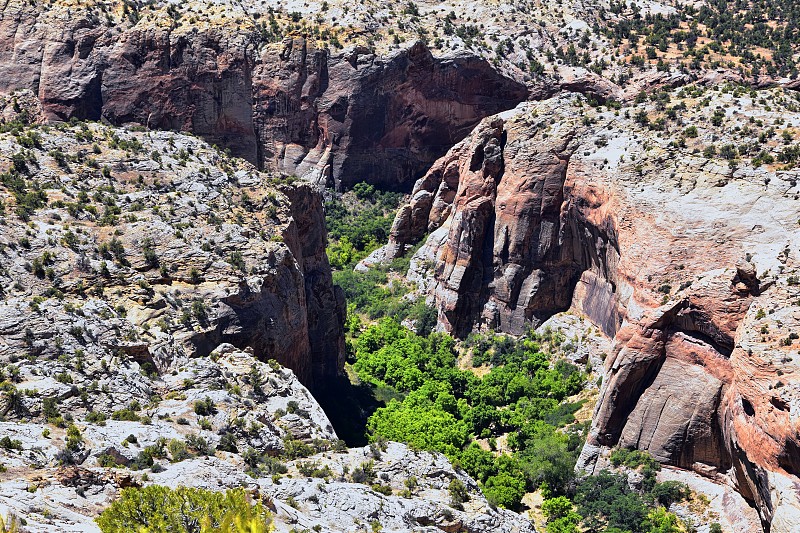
292	313
198	82
335	119
670	370
155	74
359	117
288	79
324	302
510	240
556	206
691	383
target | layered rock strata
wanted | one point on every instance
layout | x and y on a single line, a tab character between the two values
687	260
339	118
155	246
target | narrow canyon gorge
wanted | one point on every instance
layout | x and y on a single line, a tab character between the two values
166	202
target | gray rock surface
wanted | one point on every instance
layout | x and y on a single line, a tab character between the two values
67	499
206	250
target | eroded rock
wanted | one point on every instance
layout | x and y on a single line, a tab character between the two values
554	207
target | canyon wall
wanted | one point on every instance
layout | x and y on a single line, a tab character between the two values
357	117
207	250
509	240
689	263
336	118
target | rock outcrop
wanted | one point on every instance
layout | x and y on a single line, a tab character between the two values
219	422
325	304
58	486
688	262
507	238
332	502
158	249
337	118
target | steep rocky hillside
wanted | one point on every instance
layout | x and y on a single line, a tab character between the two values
341	93
156	246
672	225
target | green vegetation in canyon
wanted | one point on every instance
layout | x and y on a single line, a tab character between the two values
508	421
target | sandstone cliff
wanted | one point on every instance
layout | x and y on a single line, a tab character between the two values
381	120
687	260
338	118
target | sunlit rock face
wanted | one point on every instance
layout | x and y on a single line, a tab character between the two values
687	262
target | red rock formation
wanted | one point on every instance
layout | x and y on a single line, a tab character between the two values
513	249
287	81
164	80
288	106
668	372
356	117
150	75
530	215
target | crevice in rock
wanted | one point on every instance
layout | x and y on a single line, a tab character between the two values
780	404
477	159
748	407
753	485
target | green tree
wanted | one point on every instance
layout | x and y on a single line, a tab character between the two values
423	419
606	499
557	507
504	490
546	457
157	509
668	492
561	516
659	520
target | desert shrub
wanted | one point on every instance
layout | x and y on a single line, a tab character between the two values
669	492
504	490
205	407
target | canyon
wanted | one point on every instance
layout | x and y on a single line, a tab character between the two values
179	247
537	212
